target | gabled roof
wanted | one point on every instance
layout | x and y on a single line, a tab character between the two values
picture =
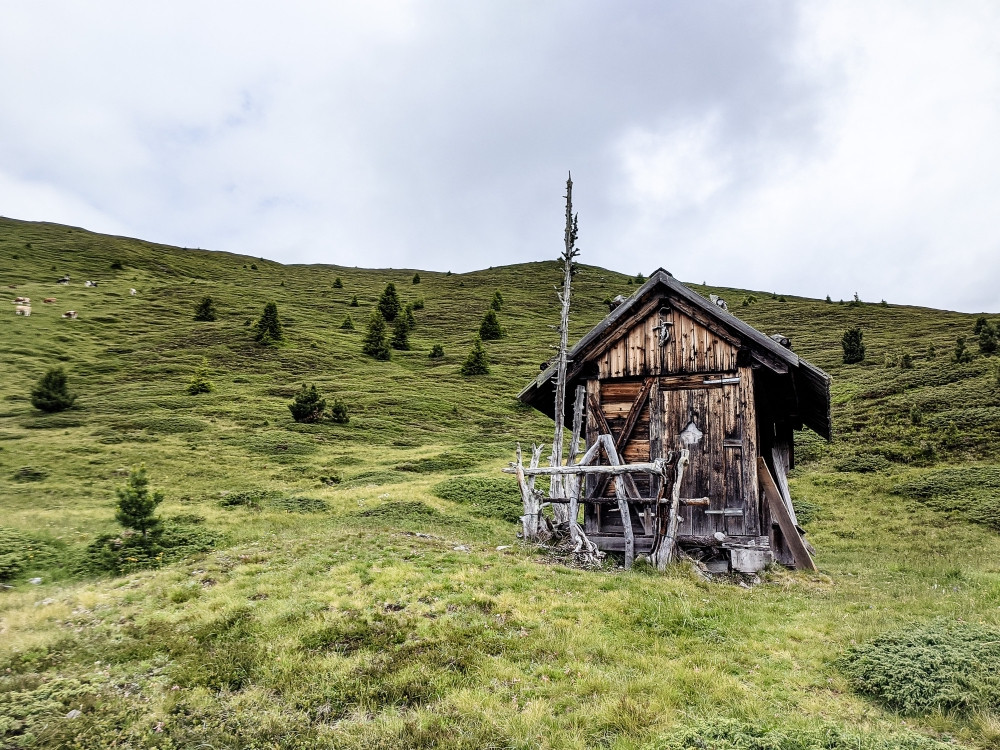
810	386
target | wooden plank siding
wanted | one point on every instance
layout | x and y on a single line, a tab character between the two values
692	348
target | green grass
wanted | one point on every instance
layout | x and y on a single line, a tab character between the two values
353	594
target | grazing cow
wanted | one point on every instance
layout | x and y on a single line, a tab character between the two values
22	300
69	314
49	300
24	310
63	280
90	283
131	292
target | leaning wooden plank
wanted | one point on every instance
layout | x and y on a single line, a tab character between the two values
778	511
609	449
779	454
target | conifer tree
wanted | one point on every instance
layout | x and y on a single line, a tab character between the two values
853	344
416	278
354	301
348	324
401	334
338	283
476	363
376	343
136	504
338	412
199	382
308	405
388	303
437	351
497	302
987	338
50	394
267	330
206	310
489	329
962	354
411	322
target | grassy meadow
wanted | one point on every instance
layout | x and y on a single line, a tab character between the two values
361	585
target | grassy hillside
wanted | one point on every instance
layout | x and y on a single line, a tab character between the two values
362	584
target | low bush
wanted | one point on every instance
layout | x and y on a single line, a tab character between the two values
437	351
418	303
338	412
205	311
490	498
942	666
19	552
29	474
853	345
405	512
199	382
129	551
253	499
51	394
338	283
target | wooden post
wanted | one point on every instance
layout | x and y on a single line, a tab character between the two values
666	552
530	502
778	511
609	449
572	486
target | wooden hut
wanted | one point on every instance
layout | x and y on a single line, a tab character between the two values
667	370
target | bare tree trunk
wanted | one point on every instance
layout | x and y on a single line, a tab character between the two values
561	512
530	501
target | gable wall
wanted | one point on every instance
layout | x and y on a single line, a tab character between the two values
692	348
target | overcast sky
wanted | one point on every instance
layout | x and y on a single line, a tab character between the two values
805	148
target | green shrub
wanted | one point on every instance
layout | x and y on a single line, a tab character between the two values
400	334
252	499
348	324
354	301
199	382
988	339
205	311
916	416
405	512
300	504
253	266
476	363
828	300
117	265
497	302
29	474
906	361
943	666
267	329
120	554
981	323
389	304
489	328
338	283
137	505
491	498
338	412
416	278
931	351
411	322
853	345
50	394
418	303
640	279
376	343
437	351
961	355
307	406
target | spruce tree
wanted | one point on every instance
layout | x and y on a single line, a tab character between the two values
337	283
50	394
437	351
199	382
416	278
388	303
853	344
962	354
206	310
981	322
476	363
497	302
136	504
988	338
401	334
354	301
308	405
338	412
376	343
348	324
489	329
267	330
411	322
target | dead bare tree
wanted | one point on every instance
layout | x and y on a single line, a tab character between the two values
556	488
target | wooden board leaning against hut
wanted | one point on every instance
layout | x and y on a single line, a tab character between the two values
668	374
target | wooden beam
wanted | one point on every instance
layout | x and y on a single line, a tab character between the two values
646	467
780	513
609	448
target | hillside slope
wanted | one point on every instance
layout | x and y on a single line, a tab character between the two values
355	595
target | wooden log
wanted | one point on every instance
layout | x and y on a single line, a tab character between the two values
699	502
779	512
668	547
609	449
656	467
530	501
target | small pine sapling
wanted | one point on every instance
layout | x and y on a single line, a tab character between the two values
411	322
376	343
50	394
308	405
253	266
489	329
437	351
267	330
136	504
338	412
497	302
199	382
389	304
640	279
916	416
853	345
828	300
981	323
205	311
416	278
906	361
400	334
354	301
338	283
962	355
988	339
348	324
931	351
476	363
